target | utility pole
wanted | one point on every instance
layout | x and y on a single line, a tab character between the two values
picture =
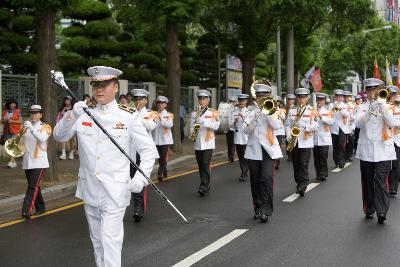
290	60
278	61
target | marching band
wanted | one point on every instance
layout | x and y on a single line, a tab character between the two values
369	126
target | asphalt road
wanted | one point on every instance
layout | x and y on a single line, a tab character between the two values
325	228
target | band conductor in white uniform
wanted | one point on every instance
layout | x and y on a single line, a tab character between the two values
104	183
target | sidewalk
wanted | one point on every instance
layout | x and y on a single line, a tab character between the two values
13	181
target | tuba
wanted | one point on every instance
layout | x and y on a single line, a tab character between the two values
294	130
13	146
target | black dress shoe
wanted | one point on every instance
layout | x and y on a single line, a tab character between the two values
264	218
341	166
257	216
201	192
381	218
323	178
392	193
242	179
137	217
301	192
40	212
160	178
26	216
231	160
369	216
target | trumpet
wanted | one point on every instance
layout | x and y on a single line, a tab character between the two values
383	95
13	146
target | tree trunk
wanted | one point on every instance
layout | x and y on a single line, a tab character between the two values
248	64
46	92
290	60
174	80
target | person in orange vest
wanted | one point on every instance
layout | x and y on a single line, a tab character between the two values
35	160
12	124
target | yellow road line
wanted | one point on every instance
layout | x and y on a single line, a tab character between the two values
77	204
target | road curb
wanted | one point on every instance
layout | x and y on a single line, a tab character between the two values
14	203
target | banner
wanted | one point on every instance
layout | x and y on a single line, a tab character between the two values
233	63
316	80
376	70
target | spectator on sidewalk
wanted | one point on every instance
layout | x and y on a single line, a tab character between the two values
12	123
88	100
35	160
182	122
123	100
66	106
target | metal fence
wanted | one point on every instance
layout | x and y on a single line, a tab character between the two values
23	88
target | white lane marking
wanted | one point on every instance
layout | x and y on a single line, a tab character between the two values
192	259
339	169
295	196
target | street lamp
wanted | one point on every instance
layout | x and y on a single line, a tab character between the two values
387	27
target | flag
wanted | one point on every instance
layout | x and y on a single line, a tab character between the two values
306	80
398	75
388	74
376	70
316	80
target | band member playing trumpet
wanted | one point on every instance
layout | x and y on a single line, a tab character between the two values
150	119
339	129
240	137
203	122
261	152
35	160
301	121
162	135
322	138
395	171
375	150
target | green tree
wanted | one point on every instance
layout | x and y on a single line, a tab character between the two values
170	14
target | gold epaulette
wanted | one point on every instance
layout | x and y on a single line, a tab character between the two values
126	108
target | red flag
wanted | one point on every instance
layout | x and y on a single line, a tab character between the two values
316	80
376	70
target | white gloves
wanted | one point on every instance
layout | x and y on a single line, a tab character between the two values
136	184
28	124
77	111
396	124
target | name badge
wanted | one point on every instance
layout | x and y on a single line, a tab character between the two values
86	123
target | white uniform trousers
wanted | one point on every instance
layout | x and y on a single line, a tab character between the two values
106	229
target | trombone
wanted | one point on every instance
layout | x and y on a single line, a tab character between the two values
267	104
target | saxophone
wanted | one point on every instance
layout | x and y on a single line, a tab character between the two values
196	126
295	130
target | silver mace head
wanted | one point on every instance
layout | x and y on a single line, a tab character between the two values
58	78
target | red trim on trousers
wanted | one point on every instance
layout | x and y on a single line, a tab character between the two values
166	158
365	204
35	193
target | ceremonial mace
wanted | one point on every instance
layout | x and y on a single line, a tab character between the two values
58	78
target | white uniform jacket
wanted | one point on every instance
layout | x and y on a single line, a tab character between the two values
162	134
149	118
240	137
35	142
307	125
375	143
261	135
209	122
340	119
395	130
100	160
323	136
281	112
351	122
